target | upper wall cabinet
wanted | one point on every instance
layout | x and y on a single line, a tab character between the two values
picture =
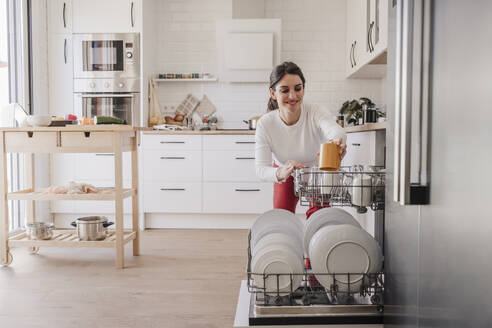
367	38
108	16
60	16
247	49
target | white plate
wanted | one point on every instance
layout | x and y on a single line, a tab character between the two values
323	217
277	220
273	260
344	249
278	239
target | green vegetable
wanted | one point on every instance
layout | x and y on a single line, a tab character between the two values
108	120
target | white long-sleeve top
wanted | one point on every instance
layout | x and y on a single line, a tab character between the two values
277	142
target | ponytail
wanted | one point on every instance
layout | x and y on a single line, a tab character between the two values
272	104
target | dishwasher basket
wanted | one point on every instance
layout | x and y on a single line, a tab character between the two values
311	293
351	186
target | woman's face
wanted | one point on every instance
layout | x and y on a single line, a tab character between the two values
288	93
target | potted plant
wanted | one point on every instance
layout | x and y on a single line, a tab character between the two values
352	110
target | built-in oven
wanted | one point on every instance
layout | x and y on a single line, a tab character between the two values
108	97
106	55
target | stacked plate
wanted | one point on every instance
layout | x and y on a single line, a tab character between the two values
336	244
276	251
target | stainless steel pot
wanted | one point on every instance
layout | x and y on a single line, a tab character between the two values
39	230
92	228
252	122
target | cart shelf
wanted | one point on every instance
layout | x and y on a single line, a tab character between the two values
114	139
69	238
29	194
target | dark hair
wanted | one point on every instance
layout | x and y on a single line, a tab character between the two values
277	74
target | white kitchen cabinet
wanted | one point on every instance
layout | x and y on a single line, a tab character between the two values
367	38
229	142
173	165
171	142
378	13
100	166
106	16
237	197
172	197
357	45
60	74
229	165
60	16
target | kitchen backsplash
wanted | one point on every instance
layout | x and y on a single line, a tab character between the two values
312	36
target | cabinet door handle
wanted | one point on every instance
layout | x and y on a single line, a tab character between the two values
173	189
104	154
247	189
356	144
244	142
245	158
371	46
353	53
172	142
65	50
64	17
131	15
172	157
350	56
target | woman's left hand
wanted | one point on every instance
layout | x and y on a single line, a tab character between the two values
343	147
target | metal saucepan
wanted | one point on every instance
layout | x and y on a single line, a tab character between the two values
92	228
252	122
39	230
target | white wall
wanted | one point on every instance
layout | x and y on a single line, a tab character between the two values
313	36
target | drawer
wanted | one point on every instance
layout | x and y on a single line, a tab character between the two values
244	198
80	139
229	142
172	142
238	165
35	142
361	149
100	166
172	165
172	197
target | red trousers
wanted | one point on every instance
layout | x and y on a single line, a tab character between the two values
284	197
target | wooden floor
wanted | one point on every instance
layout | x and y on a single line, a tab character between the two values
183	278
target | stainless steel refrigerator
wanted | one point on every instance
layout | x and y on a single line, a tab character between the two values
438	219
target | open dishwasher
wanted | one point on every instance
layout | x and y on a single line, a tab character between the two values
313	303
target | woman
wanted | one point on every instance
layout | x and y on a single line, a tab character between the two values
292	132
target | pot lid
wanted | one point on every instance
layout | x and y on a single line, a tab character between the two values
92	219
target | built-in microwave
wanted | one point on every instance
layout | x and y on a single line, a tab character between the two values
106	55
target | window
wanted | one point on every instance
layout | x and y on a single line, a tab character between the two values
14	88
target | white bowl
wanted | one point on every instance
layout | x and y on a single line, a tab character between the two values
323	217
342	249
277	262
38	120
277	220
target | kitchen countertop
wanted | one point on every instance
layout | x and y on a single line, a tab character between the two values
206	132
349	129
366	127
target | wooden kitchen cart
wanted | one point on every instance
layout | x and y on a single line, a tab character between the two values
114	139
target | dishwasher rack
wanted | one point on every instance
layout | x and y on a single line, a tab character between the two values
351	186
311	293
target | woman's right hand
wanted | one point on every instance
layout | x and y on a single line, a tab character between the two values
284	171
